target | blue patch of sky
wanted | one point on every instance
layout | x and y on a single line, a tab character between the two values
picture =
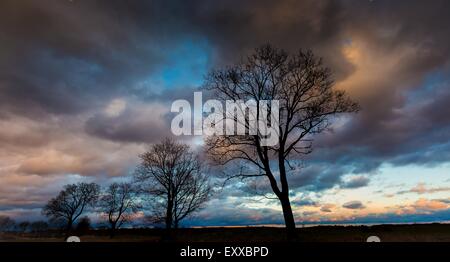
428	88
185	65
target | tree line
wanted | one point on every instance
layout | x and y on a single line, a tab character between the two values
169	184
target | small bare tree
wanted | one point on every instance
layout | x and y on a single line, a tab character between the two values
172	175
6	224
307	103
118	205
39	227
71	202
23	226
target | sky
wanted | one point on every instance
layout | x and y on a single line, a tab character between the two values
86	86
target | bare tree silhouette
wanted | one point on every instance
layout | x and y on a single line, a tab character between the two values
39	227
23	226
6	223
118	204
307	104
71	202
171	174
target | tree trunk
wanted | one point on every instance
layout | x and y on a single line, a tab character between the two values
167	237
69	225
69	228
112	230
288	217
169	215
284	197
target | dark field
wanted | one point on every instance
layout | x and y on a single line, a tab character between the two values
387	233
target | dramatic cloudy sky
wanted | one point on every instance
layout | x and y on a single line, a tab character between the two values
86	85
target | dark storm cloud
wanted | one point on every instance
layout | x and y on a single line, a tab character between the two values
408	36
317	177
393	127
68	56
418	134
237	27
61	56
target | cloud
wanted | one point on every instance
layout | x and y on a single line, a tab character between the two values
327	208
139	123
353	205
429	205
447	201
317	177
393	217
356	182
304	202
232	214
421	188
115	108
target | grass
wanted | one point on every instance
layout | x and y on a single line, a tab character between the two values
387	233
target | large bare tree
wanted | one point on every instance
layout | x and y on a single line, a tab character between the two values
71	202
172	175
118	204
307	103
